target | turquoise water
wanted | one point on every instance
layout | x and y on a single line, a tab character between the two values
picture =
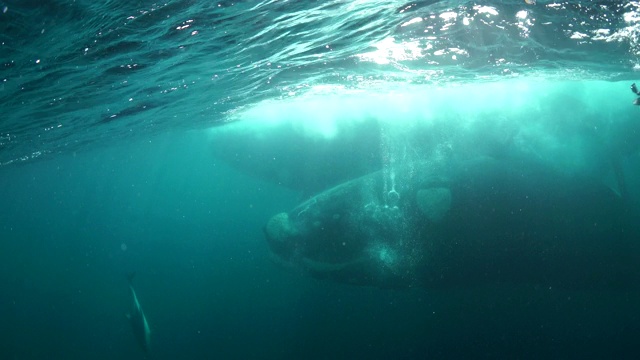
160	138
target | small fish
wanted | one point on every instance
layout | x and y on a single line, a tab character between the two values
138	320
530	2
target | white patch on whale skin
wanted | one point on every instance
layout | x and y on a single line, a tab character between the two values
280	227
387	255
384	255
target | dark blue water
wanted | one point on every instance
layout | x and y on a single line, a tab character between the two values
159	138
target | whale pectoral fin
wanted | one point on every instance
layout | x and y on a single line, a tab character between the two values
434	203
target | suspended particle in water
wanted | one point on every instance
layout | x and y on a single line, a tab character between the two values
123	247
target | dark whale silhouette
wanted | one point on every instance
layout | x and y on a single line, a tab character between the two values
442	224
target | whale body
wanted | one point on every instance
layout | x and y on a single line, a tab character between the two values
442	224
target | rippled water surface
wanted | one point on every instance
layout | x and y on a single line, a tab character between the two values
75	73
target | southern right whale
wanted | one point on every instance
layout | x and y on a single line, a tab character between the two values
478	222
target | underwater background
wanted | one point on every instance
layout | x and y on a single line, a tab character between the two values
160	137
